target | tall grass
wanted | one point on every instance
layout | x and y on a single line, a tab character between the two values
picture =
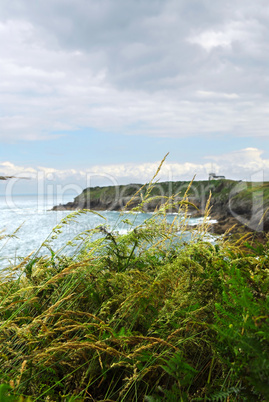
137	317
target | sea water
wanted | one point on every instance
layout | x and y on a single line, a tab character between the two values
32	220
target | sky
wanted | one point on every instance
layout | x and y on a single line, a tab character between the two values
97	92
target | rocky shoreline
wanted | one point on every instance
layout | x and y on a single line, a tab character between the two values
236	206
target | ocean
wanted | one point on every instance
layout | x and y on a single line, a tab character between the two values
30	216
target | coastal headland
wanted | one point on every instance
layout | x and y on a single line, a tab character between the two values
242	206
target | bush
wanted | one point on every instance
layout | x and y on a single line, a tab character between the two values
139	317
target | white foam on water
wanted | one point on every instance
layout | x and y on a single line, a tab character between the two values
122	231
199	221
37	220
212	221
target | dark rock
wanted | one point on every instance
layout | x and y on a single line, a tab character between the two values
234	205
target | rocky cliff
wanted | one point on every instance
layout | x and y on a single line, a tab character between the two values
232	202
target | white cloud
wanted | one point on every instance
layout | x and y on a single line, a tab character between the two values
241	164
211	39
210	94
246	162
246	32
119	66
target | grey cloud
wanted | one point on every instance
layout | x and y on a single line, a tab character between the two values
164	27
90	62
144	43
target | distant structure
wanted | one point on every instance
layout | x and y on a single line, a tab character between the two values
213	176
6	177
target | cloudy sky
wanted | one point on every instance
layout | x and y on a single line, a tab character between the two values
104	89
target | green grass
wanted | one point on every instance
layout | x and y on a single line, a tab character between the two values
261	191
199	192
137	317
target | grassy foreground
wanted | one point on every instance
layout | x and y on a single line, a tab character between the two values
139	317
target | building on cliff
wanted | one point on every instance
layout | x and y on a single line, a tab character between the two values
213	176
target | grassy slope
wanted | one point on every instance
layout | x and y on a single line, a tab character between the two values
220	189
138	318
259	190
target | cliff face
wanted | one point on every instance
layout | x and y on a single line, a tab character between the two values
231	202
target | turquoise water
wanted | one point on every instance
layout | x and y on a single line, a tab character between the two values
35	220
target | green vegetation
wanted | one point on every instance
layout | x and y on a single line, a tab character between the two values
248	201
222	188
259	190
137	317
